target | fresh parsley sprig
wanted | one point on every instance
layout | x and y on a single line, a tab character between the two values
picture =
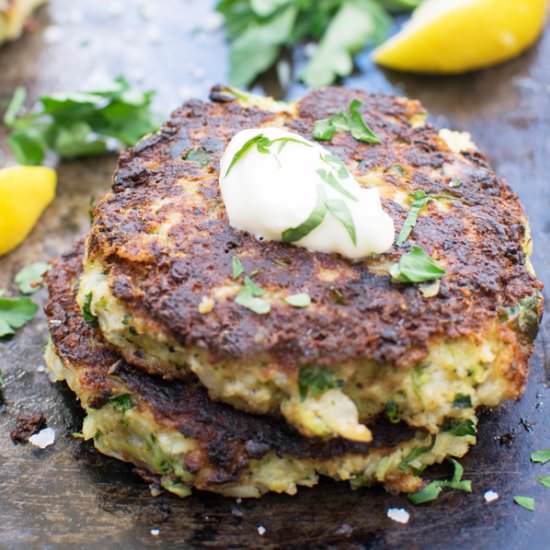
258	30
15	312
80	124
350	120
431	491
541	457
314	220
526	502
420	200
263	144
29	279
314	381
416	267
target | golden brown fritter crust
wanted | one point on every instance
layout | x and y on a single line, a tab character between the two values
358	314
228	439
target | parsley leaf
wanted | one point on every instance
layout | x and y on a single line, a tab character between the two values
314	220
525	314
416	267
259	46
80	124
15	313
89	317
29	279
427	494
462	401
544	480
198	155
249	295
330	179
460	428
392	412
299	300
314	381
258	30
236	267
525	502
541	457
352	121
339	209
16	104
412	456
431	491
356	24
420	200
263	144
122	403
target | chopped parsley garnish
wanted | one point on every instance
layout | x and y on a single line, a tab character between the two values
314	381
198	155
330	179
249	297
412	456
351	121
462	401
433	489
15	313
122	403
416	267
399	169
525	315
262	144
419	200
541	457
236	267
338	164
460	428
29	279
525	502
455	183
299	300
337	296
339	209
80	124
392	412
314	220
89	317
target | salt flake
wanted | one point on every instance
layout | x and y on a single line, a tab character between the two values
44	438
399	514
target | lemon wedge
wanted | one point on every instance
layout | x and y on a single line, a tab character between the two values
455	36
25	192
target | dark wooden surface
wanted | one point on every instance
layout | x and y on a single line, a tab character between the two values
70	496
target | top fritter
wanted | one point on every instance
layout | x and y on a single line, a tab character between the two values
163	271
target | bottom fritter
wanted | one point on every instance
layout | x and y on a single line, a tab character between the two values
174	431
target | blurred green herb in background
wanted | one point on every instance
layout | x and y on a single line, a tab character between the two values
259	30
80	124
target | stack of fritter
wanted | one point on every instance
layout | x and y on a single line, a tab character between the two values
371	383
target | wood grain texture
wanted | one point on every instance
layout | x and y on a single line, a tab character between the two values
70	496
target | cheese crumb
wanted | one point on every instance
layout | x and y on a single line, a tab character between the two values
261	530
399	515
490	496
44	438
206	305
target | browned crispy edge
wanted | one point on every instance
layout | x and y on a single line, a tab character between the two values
228	439
480	237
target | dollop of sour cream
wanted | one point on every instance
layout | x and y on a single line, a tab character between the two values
279	186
